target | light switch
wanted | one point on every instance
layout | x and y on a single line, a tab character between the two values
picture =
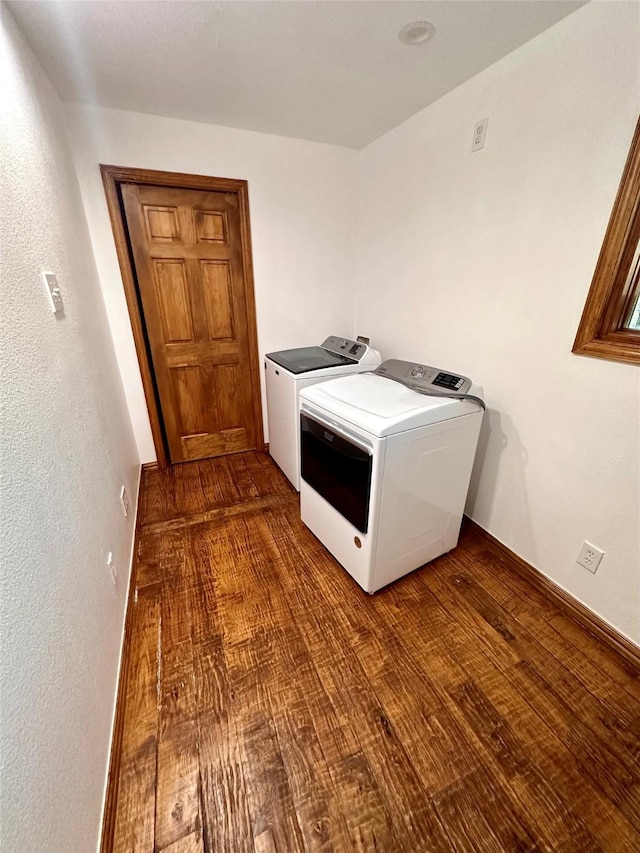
53	290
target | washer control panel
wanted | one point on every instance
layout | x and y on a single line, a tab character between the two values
343	346
424	378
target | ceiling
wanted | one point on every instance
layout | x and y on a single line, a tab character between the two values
326	70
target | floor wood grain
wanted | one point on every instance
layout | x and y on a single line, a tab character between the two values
272	705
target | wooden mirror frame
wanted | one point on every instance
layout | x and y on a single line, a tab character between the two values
602	332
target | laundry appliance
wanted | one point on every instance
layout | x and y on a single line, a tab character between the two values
386	461
288	372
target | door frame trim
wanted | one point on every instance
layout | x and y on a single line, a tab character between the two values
112	177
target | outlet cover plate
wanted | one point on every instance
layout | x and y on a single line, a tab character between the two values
53	292
480	135
124	500
590	557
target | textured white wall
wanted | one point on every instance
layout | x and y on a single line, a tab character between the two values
66	446
302	206
481	263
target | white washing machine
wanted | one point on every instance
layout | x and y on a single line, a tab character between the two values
385	468
291	370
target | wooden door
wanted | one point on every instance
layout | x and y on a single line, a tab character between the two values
188	256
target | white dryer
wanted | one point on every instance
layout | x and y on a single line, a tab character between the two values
287	373
385	466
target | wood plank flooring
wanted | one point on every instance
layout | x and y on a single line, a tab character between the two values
272	705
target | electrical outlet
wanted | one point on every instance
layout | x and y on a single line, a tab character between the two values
479	135
53	292
589	557
112	567
124	500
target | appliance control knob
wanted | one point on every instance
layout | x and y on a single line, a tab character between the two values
417	372
343	344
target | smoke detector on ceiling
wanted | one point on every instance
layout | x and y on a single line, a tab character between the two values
418	32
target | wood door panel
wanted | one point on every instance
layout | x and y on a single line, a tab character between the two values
188	255
202	446
189	385
174	305
211	226
161	223
220	308
187	355
177	251
228	382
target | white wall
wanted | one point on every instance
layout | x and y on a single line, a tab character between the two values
66	446
302	208
481	263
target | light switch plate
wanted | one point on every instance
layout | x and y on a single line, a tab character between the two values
53	291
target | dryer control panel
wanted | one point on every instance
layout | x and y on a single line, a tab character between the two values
424	378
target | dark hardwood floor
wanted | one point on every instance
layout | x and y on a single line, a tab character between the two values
272	705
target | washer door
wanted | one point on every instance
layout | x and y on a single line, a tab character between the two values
307	359
338	468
